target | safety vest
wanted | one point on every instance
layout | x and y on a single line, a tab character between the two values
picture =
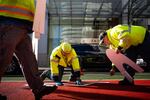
22	9
57	58
121	35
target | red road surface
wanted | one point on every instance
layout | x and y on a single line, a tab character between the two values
96	90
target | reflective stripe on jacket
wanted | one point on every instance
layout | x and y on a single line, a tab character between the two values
23	9
57	58
120	36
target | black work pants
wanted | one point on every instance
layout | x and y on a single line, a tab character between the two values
14	39
58	78
142	50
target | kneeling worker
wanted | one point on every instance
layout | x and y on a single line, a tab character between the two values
61	57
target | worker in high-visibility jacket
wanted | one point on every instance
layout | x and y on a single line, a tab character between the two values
61	57
16	20
132	40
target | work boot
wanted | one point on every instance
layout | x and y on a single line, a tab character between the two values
124	82
59	84
2	97
45	90
78	82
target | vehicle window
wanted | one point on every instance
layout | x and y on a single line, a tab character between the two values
96	48
85	48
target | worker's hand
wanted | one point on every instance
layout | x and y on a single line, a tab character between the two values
118	50
112	72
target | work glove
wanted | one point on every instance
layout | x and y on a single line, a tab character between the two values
119	50
112	71
59	83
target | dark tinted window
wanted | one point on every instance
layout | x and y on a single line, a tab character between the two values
85	47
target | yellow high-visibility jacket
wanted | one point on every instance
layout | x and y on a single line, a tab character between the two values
57	58
122	36
21	9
